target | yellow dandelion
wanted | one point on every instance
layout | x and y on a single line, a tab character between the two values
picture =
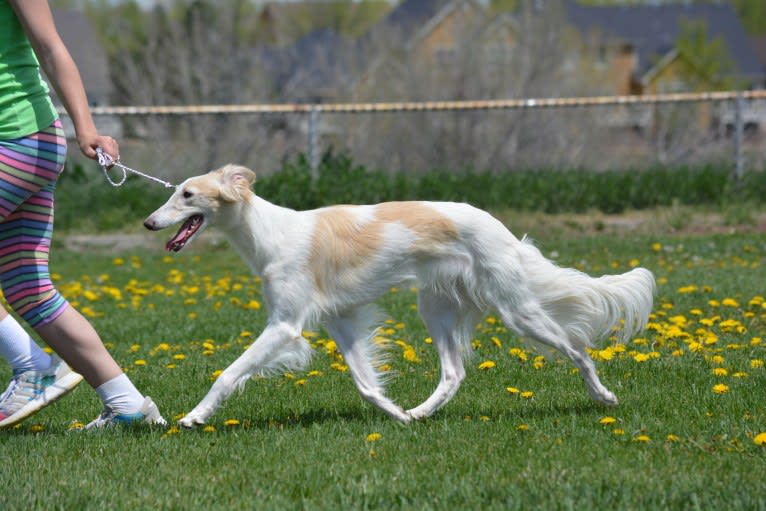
174	430
410	355
231	422
209	429
302	381
253	305
487	364
484	418
374	437
36	428
523	427
140	362
760	439
642	438
756	363
606	421
720	371
641	357
339	367
512	390
720	388
730	302
527	394
672	438
618	431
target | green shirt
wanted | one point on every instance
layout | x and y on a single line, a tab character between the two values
25	104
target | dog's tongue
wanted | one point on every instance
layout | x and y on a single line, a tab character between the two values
189	227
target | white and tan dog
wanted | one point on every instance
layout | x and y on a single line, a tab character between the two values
329	265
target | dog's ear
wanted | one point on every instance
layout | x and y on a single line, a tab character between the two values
236	182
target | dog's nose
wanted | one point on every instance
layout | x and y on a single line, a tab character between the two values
150	224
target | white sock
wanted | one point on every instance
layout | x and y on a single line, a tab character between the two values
120	395
19	349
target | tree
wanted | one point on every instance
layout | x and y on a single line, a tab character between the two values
704	63
515	55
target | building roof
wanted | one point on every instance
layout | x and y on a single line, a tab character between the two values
410	15
654	29
759	45
321	60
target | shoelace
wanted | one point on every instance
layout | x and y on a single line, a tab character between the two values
21	390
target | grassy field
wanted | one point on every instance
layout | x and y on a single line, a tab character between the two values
521	433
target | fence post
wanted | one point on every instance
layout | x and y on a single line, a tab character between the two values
739	130
314	143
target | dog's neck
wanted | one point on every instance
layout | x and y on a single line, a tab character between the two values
254	229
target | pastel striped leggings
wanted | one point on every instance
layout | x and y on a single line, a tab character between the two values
29	168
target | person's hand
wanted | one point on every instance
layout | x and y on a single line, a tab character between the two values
89	143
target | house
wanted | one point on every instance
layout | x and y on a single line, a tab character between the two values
634	48
638	43
428	30
81	40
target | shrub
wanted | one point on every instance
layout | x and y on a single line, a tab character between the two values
86	203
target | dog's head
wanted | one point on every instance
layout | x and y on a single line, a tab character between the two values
200	201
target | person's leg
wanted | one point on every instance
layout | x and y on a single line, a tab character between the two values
18	347
26	233
26	165
26	283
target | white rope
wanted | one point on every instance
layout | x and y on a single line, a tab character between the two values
107	161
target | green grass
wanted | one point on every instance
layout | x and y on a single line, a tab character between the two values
302	440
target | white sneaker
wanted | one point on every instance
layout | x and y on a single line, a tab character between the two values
30	391
147	414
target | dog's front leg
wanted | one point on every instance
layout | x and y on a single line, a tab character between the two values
256	359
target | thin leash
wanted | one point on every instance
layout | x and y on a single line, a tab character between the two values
107	161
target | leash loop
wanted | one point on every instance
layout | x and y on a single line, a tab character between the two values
107	161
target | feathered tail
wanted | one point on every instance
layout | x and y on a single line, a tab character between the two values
590	309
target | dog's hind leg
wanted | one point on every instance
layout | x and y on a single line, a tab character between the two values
531	321
352	332
450	326
279	346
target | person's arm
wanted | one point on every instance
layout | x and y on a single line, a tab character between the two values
36	18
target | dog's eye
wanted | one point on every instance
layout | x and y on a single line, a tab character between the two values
187	194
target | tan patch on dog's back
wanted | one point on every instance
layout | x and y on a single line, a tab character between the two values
432	228
343	243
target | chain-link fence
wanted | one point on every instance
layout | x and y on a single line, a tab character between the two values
594	133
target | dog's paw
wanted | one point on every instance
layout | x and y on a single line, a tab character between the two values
417	414
605	398
191	420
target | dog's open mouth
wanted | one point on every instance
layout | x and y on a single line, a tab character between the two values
185	233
